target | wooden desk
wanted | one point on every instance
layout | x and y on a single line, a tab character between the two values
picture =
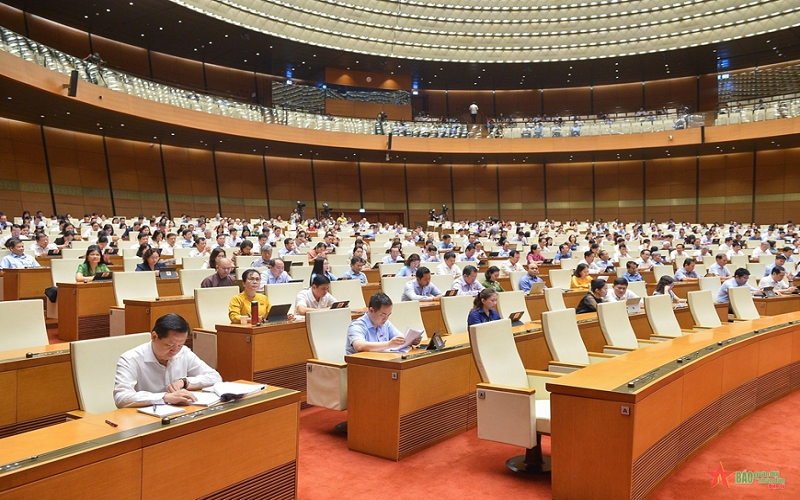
168	287
432	317
26	283
672	413
87	458
369	290
373	276
141	314
83	310
777	305
35	392
398	407
274	355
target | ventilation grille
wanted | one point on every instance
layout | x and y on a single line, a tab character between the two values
31	425
275	484
427	425
93	327
289	376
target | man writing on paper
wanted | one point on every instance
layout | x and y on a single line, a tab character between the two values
372	331
162	371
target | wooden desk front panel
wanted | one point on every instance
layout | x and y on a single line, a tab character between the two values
83	310
369	290
269	439
170	287
26	283
777	305
432	317
141	315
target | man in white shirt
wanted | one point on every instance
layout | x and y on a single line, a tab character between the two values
679	254
162	371
221	242
315	297
719	268
775	280
643	262
736	250
168	245
763	249
275	237
42	245
16	232
449	265
619	291
511	265
589	260
233	240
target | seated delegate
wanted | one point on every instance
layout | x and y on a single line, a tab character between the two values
484	308
150	261
17	259
240	304
162	371
595	296
420	288
90	266
373	331
315	297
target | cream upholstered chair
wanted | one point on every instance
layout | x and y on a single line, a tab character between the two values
455	311
129	263
569	264
394	286
179	254
297	260
326	372
191	279
701	305
211	305
514	277
511	302
442	281
513	403
193	262
559	278
617	330
384	269
711	283
757	269
662	318
284	293
301	273
339	270
141	285
742	303
565	343
246	261
637	287
338	259
554	299
72	253
408	314
94	365
62	271
659	271
349	290
23	325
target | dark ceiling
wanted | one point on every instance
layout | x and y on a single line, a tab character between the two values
163	26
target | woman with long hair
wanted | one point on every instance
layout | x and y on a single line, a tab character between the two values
213	259
492	275
322	268
92	264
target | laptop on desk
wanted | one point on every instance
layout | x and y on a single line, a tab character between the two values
547	262
278	313
769	292
106	276
515	318
342	304
536	288
167	272
494	254
633	305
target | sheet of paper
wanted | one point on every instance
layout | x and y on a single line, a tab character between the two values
161	410
237	388
205	398
410	337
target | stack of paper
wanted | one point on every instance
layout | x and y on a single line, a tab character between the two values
237	389
161	410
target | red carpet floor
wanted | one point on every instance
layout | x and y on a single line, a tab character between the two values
465	467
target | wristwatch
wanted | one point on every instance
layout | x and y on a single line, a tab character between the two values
185	382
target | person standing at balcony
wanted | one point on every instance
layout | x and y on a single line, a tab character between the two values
473	112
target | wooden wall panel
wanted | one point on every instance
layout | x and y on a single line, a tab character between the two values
169	68
726	187
337	184
777	186
78	170
671	189
618	190
23	171
624	97
136	176
522	192
12	19
190	181
289	181
384	188
241	185
436	102
122	55
237	83
460	101
428	187
569	101
709	92
569	191
519	102
264	89
58	36
475	191
660	93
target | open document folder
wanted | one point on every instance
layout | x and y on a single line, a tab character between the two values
221	391
410	336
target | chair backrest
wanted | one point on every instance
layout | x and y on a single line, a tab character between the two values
442	281
554	299
638	287
73	253
738	261
711	283
211	305
700	269
191	279
301	273
661	316
563	337
180	253
338	259
496	355
141	285
297	260
560	278
339	270
756	268
284	293
701	304
511	302
23	325
514	277
390	268
349	290
659	271
742	303
455	311
193	262
616	325
245	261
393	287
64	270
408	314
129	263
327	333
569	264
94	365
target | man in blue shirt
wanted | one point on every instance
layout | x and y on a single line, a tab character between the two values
529	279
17	259
421	287
780	260
740	277
446	243
467	283
632	273
563	252
373	331
275	274
355	273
